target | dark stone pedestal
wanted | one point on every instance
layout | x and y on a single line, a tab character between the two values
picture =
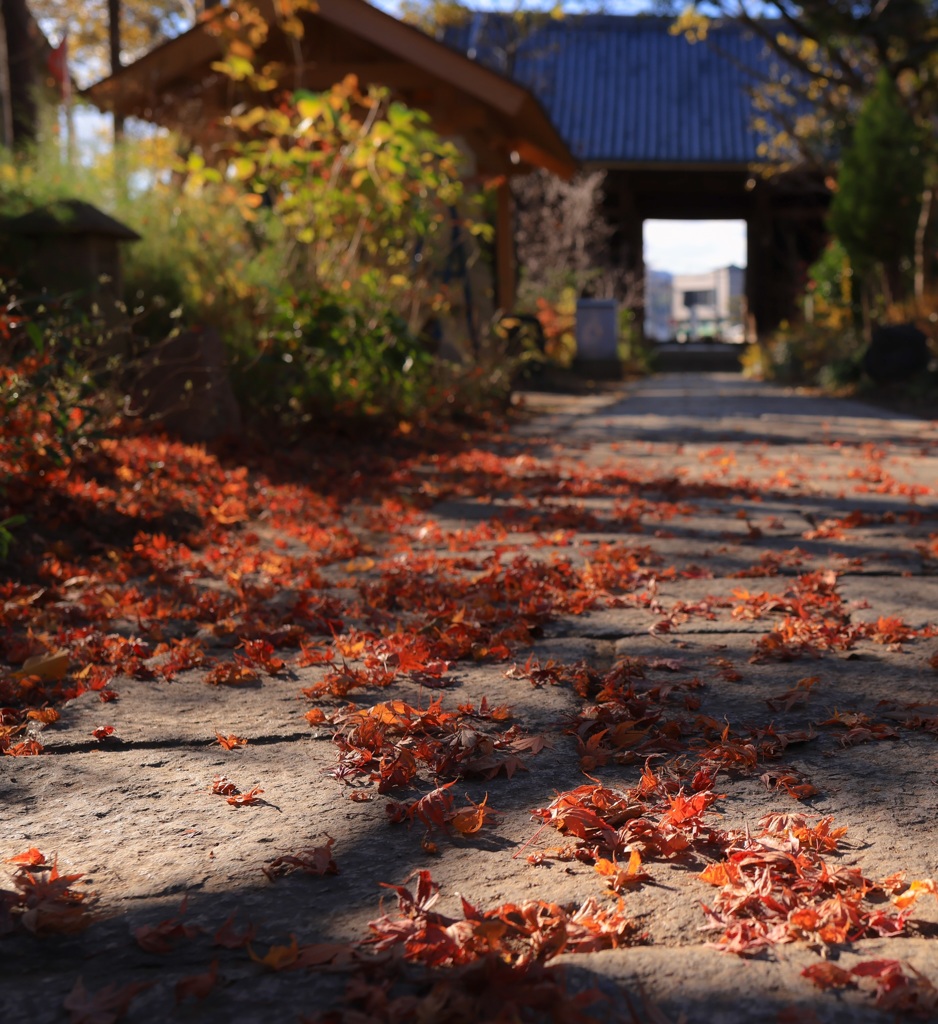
183	386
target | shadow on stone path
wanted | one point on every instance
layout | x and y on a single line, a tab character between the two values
717	486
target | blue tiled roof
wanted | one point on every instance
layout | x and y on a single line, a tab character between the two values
624	90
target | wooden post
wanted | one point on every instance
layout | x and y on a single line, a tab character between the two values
505	249
758	241
6	106
631	250
22	48
114	45
636	283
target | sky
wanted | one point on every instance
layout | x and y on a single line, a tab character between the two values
694	246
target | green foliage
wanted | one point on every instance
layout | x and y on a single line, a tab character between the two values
316	247
876	207
829	277
7	537
811	354
349	200
320	356
356	191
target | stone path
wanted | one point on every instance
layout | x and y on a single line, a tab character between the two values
720	490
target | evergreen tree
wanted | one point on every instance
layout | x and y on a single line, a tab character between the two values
876	208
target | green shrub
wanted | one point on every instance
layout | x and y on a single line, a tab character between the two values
316	246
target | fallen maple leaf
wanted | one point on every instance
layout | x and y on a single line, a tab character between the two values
49	667
229	673
31	858
915	888
162	937
318	954
470	819
44	715
828	975
198	986
245	799
618	877
315	860
897	990
261	653
46	902
26	748
278	958
231	741
105	1006
229	938
223	786
103	732
719	874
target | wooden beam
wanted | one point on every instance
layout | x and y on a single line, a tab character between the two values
321	75
528	153
504	248
410	43
353	36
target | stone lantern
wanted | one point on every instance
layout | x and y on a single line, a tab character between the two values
68	246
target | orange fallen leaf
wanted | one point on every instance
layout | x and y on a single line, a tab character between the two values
49	667
45	715
31	858
915	888
278	958
317	954
470	819
718	874
230	741
245	799
619	878
828	975
26	748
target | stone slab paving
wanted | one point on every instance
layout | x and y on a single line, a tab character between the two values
720	490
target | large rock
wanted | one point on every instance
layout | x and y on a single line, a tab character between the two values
896	352
183	386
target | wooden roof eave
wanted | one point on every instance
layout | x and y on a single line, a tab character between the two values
144	88
695	167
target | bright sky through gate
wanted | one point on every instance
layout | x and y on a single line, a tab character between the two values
694	246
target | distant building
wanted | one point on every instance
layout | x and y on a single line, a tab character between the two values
658	302
710	305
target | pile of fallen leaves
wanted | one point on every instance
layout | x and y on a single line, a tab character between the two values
42	901
148	559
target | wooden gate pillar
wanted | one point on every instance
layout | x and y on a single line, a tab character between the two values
505	268
758	266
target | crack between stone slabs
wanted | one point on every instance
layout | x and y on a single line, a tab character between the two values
793	574
116	746
647	634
